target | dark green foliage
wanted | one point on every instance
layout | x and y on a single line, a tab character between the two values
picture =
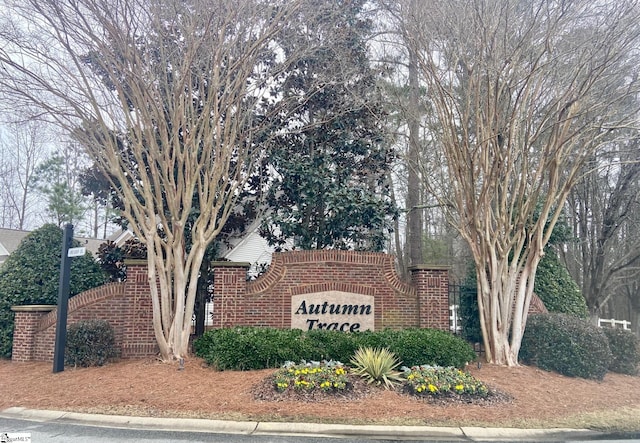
430	346
134	249
112	261
469	312
331	185
566	344
244	348
556	288
625	348
90	343
31	276
328	345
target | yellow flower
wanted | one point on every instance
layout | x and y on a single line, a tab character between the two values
433	388
459	387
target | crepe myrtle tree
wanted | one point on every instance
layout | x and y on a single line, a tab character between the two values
524	92
179	84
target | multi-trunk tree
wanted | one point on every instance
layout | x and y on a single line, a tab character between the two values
177	82
524	92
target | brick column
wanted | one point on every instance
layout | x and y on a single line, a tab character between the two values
432	288
138	338
27	319
229	289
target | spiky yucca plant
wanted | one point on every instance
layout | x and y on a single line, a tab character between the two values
377	366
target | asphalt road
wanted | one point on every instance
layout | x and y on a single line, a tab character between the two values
56	426
75	433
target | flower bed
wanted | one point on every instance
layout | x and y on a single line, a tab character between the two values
437	380
328	376
318	381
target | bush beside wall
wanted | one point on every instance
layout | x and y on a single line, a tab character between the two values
245	348
90	343
566	344
625	347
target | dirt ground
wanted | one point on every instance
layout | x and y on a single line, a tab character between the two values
152	388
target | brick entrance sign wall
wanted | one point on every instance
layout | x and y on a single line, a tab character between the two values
126	306
328	289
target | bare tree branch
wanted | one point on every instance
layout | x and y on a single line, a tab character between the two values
164	96
524	92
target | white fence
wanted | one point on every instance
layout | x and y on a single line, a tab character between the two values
454	321
612	323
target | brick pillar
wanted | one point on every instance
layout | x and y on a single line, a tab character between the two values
138	338
27	319
229	288
432	288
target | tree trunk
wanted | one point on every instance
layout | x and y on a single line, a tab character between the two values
414	214
504	295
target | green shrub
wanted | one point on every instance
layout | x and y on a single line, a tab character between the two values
32	273
625	348
371	339
557	290
376	366
566	344
90	343
244	348
430	346
329	345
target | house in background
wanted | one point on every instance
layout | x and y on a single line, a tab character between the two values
247	247
10	240
250	247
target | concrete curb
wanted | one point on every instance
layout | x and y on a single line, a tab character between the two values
307	429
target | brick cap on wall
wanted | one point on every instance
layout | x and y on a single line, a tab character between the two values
33	308
135	261
429	268
230	264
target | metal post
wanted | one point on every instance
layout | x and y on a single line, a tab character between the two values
63	301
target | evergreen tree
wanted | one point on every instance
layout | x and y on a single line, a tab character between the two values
32	273
331	156
55	179
557	290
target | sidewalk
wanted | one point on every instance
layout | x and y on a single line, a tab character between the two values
307	429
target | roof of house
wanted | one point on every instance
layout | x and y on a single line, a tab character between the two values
10	240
